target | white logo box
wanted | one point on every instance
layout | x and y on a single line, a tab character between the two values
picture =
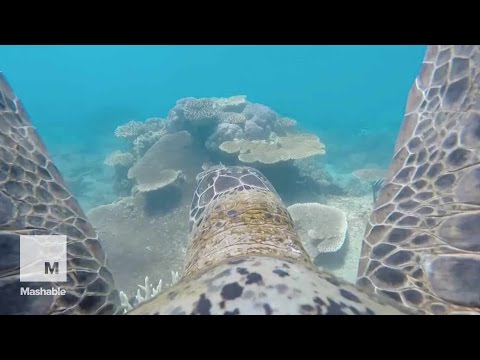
43	258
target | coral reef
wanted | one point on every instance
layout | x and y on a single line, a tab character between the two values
200	112
134	128
260	121
232	104
161	175
153	181
223	132
204	117
121	162
191	113
141	134
144	141
253	131
344	263
260	114
172	152
160	194
211	122
282	148
285	125
130	130
216	126
120	159
232	118
322	229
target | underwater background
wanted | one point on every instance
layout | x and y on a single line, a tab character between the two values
351	97
79	94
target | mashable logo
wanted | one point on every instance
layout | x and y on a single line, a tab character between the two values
43	258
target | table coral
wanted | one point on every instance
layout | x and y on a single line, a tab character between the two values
283	148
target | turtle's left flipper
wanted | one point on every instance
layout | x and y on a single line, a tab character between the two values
35	201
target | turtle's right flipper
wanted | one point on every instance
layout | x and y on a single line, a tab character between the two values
422	244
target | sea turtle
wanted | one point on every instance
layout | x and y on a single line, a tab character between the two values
420	253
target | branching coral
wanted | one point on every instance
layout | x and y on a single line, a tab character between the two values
142	134
134	128
143	142
282	148
232	118
145	292
154	124
130	130
200	111
120	158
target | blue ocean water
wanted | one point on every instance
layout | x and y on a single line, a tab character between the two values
352	97
76	93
